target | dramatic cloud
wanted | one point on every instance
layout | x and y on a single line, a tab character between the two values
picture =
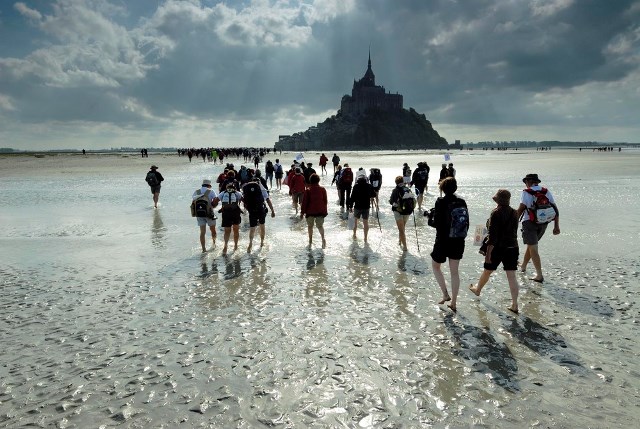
205	72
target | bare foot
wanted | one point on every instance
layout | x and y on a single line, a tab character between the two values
513	310
249	248
445	299
224	250
537	279
454	309
324	243
473	288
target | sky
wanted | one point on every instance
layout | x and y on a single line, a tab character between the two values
99	74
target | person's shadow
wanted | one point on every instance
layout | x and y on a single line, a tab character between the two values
158	231
543	341
486	355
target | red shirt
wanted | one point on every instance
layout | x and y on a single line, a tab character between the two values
296	183
314	201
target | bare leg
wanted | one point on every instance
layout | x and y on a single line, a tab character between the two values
455	282
227	234
514	289
484	278
321	231
365	227
310	232
525	259
535	258
401	232
203	235
212	228
355	227
252	232
437	273
156	196
419	200
236	236
262	233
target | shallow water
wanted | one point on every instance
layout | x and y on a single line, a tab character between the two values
111	316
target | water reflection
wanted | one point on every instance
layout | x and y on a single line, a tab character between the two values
485	353
580	301
158	231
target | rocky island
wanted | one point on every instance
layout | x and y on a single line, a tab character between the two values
368	119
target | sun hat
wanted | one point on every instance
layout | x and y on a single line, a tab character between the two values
533	177
153	167
502	197
206	182
360	173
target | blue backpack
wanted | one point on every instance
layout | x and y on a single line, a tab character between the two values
459	219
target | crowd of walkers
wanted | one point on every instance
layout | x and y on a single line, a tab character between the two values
246	191
215	155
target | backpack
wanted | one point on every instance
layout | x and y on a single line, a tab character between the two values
244	175
459	219
152	179
268	167
201	206
542	211
347	176
279	169
424	175
375	178
406	201
253	198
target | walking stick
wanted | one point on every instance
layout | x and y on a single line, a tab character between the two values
415	226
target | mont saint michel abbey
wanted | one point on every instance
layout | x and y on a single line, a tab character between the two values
369	118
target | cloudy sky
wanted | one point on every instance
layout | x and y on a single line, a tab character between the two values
167	73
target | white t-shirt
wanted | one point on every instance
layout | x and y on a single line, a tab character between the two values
230	197
200	192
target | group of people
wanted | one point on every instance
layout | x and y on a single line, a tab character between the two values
247	191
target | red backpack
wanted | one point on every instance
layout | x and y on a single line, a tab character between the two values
347	176
542	210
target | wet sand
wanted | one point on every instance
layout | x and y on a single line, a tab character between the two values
112	316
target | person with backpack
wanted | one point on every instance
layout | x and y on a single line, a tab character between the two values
345	181
296	187
279	172
501	246
230	200
269	169
450	218
402	203
335	160
536	210
360	202
419	179
202	209
323	164
406	173
154	179
254	198
314	207
375	178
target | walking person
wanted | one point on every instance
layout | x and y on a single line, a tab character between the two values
345	181
444	173
230	199
360	202
501	246
375	178
254	198
323	164
315	207
296	187
269	169
154	180
402	203
279	172
203	203
419	179
406	173
451	220
536	210
335	160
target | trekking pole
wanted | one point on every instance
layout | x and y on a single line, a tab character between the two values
415	226
378	217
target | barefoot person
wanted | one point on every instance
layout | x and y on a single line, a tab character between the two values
402	203
154	180
204	200
449	220
314	206
501	246
230	199
360	202
536	202
254	198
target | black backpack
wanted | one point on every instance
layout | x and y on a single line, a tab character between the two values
406	201
152	179
253	198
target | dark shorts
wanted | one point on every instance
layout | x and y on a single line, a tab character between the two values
508	256
257	217
155	189
231	216
532	232
420	189
358	213
443	248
